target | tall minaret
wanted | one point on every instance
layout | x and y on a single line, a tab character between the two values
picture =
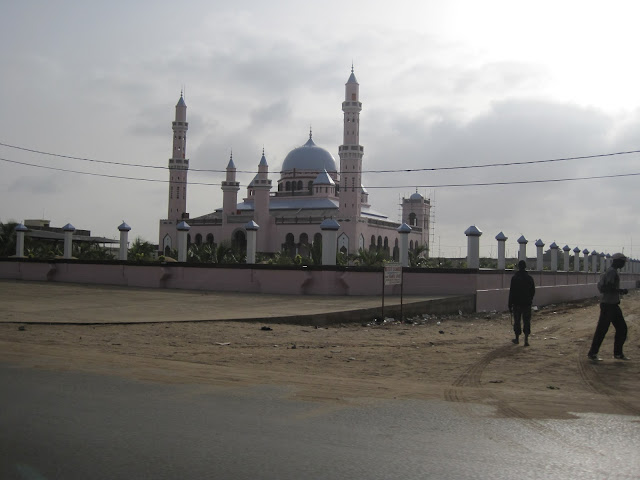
351	152
261	188
179	165
230	189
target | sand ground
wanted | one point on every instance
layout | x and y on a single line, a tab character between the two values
466	359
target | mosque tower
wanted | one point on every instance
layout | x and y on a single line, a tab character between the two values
179	165
351	152
230	189
261	186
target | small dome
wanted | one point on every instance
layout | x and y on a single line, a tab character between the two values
323	179
416	196
309	157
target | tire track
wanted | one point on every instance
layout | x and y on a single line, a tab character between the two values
595	382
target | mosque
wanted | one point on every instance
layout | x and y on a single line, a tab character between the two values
310	190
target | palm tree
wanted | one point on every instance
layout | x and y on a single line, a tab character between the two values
418	256
8	238
370	258
141	250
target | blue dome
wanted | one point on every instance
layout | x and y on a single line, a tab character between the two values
309	157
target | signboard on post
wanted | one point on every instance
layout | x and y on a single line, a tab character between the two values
393	274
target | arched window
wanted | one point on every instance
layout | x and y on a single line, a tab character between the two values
289	239
210	238
310	186
167	251
411	245
198	239
299	184
239	240
287	186
317	238
304	238
372	245
188	239
396	254
413	220
379	242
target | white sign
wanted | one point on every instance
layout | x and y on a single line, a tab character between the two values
393	274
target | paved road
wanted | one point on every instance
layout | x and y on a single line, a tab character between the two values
63	425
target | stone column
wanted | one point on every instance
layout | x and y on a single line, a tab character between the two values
20	231
329	228
473	246
404	230
252	231
124	240
567	254
576	259
554	256
183	229
602	262
594	261
502	240
539	255
585	265
68	230
522	253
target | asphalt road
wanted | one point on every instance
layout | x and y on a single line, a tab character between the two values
64	425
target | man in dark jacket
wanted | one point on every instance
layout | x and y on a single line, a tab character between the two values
520	297
609	286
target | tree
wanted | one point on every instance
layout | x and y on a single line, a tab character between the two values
8	238
418	256
142	251
370	258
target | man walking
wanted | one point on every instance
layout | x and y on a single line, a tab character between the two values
521	296
609	287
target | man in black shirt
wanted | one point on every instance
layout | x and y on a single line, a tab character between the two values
520	298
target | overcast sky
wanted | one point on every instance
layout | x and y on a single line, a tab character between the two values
443	84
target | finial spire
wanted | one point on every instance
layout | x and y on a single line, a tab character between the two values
310	133
351	66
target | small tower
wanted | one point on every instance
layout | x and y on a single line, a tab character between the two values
179	165
415	213
351	152
261	188
230	188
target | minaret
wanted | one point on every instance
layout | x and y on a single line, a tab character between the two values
262	187
230	189
351	152
179	165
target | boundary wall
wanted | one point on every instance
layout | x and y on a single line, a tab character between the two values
490	287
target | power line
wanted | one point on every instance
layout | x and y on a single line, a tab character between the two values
400	170
519	182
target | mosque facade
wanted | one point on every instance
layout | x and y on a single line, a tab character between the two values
311	189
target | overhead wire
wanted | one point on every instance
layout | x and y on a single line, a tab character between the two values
399	170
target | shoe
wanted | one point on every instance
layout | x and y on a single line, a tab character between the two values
516	341
621	357
526	343
594	357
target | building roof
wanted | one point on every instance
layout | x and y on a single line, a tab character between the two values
324	179
309	157
49	235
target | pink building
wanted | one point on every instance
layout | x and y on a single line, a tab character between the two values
310	189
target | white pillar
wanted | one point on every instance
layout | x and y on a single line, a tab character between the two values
522	253
124	240
68	230
183	229
594	261
607	261
576	259
473	246
404	231
539	255
252	232
329	228
585	265
567	254
603	262
554	256
20	231
502	240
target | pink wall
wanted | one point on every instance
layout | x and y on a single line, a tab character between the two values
491	287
